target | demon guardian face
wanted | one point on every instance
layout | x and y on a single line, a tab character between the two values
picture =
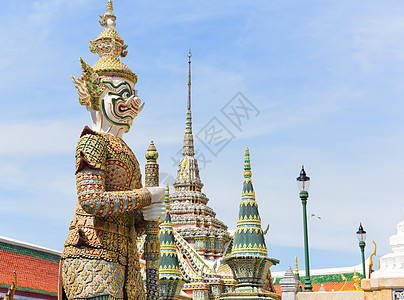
119	103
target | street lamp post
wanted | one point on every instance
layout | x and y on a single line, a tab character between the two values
361	234
303	183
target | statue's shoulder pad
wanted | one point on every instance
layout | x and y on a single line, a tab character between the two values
88	130
91	150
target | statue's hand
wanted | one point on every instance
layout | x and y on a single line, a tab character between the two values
154	212
157	194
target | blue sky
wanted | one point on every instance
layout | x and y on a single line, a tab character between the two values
325	79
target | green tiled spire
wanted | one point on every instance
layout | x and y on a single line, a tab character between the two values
248	261
249	237
168	265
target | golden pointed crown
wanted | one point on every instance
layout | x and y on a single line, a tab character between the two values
110	46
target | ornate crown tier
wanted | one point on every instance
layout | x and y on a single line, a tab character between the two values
110	46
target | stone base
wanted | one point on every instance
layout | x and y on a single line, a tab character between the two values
381	288
354	295
170	288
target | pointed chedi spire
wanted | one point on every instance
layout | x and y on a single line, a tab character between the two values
168	265
191	217
297	276
188	172
188	148
249	237
170	277
249	251
189	80
247	184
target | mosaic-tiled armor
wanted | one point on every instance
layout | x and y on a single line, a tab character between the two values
102	233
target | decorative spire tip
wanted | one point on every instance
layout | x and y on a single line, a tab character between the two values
189	80
167	197
247	164
188	148
151	153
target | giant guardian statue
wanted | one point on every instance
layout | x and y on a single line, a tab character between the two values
100	259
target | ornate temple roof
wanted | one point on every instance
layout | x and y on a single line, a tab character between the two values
168	265
249	237
28	261
330	279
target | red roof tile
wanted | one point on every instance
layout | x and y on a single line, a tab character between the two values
32	272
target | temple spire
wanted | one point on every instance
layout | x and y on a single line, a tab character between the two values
168	264
249	237
248	260
170	278
191	217
247	164
189	79
247	184
188	148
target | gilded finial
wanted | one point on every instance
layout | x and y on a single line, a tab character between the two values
151	177
167	198
247	165
110	9
151	153
296	269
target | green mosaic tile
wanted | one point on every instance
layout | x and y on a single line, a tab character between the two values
25	289
29	252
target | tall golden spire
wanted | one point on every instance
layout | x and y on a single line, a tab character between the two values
188	148
296	269
189	79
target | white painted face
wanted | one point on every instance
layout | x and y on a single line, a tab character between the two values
119	104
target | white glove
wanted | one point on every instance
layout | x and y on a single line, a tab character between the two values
157	194
154	212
